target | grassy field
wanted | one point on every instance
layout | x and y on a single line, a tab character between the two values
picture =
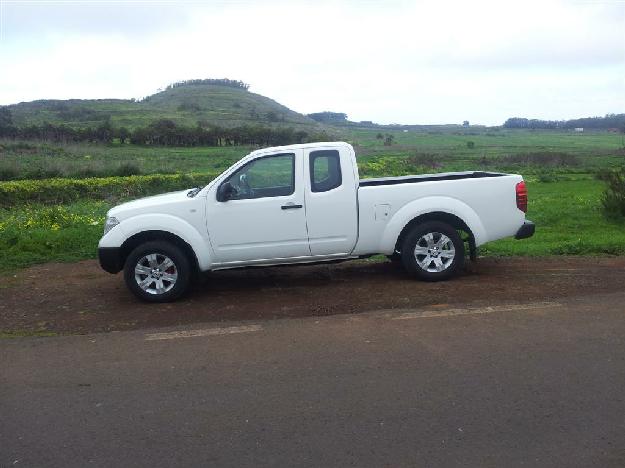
560	169
29	160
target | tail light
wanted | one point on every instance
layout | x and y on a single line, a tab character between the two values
521	197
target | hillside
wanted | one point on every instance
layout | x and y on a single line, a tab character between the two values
188	104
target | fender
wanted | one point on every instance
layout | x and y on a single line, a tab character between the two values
427	205
161	222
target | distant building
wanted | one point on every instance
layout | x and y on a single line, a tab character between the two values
579	129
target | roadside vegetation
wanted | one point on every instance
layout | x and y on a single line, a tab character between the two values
54	197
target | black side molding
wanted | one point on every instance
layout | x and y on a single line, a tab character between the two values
111	259
525	231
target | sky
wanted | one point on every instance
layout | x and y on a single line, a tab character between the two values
389	61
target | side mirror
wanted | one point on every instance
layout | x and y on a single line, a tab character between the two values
225	192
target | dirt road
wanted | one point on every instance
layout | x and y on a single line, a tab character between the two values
81	298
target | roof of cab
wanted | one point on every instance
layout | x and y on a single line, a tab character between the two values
321	144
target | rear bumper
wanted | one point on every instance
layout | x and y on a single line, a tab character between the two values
110	259
525	231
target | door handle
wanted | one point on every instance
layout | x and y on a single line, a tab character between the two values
291	206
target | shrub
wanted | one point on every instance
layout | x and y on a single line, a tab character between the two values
428	160
470	144
613	198
8	173
44	173
543	158
546	177
87	172
484	161
604	174
57	191
127	169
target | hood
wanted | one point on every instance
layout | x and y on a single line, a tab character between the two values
149	204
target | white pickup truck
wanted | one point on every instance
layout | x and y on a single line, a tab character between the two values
303	204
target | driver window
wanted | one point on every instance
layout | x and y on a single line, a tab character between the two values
272	176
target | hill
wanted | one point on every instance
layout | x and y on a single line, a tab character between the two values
184	103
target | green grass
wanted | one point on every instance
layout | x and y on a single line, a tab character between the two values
36	233
569	222
32	160
442	151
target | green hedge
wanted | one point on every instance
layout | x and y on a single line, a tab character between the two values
57	191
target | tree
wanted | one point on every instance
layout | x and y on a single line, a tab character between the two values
388	139
6	122
379	136
123	134
211	81
465	123
104	132
328	117
6	119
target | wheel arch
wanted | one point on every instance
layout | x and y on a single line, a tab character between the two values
158	235
442	216
442	208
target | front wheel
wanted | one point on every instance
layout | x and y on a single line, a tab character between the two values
433	251
157	271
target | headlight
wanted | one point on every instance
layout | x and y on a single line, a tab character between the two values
109	224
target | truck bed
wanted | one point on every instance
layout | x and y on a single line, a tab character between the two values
415	179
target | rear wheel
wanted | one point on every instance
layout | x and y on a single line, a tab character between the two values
157	271
433	251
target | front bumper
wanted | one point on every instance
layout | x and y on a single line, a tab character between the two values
525	231
111	259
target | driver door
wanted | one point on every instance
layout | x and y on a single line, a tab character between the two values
264	219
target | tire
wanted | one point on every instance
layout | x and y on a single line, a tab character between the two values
157	271
433	251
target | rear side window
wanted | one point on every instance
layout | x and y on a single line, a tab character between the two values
325	170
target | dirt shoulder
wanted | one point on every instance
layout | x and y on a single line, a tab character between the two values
81	298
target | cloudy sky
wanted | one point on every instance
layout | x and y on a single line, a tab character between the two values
386	61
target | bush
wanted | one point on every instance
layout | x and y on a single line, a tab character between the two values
546	177
470	144
428	160
545	158
604	174
485	162
8	173
127	169
613	198
44	173
57	191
